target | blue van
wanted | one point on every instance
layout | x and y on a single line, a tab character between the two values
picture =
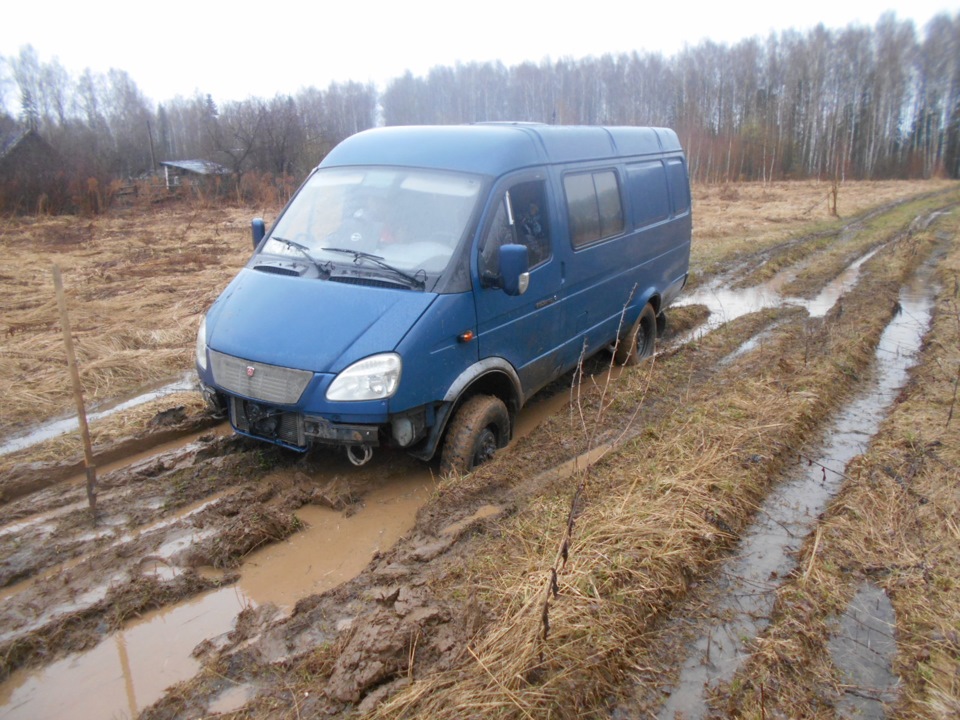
425	282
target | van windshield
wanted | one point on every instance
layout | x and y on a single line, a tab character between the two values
411	219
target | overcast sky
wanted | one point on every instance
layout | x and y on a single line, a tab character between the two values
240	49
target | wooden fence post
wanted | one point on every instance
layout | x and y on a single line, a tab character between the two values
77	394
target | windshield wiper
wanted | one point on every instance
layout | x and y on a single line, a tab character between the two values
359	255
305	251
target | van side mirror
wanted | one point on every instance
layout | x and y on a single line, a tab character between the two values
259	229
514	266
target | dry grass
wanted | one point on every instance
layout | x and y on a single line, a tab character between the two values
734	222
874	231
136	286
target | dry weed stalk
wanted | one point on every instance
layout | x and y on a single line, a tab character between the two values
552	588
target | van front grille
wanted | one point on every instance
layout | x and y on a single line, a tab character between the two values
267	383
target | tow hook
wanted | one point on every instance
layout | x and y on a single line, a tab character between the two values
359	454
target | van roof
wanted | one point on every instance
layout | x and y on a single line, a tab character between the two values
497	148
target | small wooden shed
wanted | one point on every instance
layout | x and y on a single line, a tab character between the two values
179	172
29	169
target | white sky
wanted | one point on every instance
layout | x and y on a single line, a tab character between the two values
240	49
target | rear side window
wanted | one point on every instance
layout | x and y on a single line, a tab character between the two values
647	187
593	206
679	186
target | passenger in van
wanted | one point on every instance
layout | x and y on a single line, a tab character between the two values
532	234
530	222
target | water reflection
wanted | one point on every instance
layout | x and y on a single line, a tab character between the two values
56	428
127	671
727	304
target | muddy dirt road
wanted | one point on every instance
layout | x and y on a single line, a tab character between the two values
716	533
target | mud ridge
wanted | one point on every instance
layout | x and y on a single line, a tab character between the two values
31	477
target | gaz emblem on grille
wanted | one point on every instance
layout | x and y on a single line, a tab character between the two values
250	370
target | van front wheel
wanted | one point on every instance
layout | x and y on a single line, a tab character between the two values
480	428
640	340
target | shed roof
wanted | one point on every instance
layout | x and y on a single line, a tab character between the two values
199	167
12	140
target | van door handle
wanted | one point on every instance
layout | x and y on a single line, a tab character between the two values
546	301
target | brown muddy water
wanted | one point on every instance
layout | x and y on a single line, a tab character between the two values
336	546
131	669
743	594
127	671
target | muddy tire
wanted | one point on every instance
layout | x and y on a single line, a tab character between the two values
640	339
480	428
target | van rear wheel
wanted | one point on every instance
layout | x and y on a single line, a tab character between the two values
480	428
640	339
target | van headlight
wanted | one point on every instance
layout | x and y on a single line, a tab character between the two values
374	378
202	344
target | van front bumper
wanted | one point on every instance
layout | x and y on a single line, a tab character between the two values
296	430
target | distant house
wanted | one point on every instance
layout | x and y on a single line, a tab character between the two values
30	171
176	172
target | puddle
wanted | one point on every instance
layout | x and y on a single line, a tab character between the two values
483	512
334	548
864	649
537	411
130	669
231	700
727	304
127	671
62	426
745	590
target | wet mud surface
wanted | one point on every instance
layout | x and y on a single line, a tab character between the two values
223	576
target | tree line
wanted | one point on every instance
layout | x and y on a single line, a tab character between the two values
858	102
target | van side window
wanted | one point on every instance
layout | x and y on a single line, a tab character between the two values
679	186
647	186
593	206
519	218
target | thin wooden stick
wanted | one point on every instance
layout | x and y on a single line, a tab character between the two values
77	393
